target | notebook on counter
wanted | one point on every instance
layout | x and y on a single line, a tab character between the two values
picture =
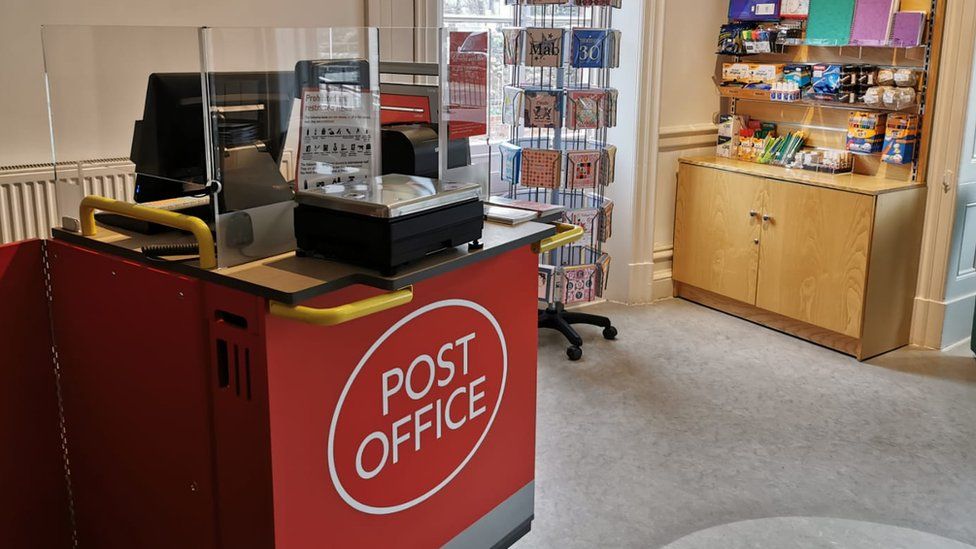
830	22
908	29
872	22
540	209
508	216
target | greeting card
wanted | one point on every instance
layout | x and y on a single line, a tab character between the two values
511	162
610	106
584	168
543	109
603	275
544	47
590	48
609	164
585	108
512	38
586	218
605	227
547	284
513	105
613	58
541	168
579	284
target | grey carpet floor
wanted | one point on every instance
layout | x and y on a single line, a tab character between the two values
693	419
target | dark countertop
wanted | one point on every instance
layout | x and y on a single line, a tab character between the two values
290	279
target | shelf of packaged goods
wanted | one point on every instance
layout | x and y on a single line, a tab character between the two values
763	96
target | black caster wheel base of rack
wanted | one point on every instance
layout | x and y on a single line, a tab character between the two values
610	333
574	353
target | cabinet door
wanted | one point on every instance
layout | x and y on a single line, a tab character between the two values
716	231
814	257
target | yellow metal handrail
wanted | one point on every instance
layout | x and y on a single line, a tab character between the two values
343	313
565	234
195	225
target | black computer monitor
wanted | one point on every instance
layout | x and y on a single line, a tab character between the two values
168	143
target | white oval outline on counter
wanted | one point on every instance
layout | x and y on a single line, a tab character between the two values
353	502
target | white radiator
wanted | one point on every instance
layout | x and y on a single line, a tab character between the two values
28	203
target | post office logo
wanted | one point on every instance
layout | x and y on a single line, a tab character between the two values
426	394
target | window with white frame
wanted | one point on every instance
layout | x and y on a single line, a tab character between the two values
493	15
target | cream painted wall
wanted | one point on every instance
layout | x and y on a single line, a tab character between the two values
688	107
23	113
629	20
688	93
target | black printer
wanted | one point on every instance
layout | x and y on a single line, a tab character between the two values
387	221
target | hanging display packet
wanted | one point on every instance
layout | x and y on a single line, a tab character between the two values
901	139
866	132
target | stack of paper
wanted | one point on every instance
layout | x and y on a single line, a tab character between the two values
507	216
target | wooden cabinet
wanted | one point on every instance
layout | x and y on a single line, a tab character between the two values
814	255
720	222
831	264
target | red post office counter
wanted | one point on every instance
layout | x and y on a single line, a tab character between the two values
293	402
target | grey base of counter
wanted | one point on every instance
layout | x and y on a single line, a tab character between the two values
503	526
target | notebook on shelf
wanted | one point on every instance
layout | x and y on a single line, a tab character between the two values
908	29
754	10
830	22
872	22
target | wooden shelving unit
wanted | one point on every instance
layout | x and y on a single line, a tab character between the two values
826	122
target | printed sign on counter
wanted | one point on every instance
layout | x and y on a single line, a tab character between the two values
336	142
427	415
